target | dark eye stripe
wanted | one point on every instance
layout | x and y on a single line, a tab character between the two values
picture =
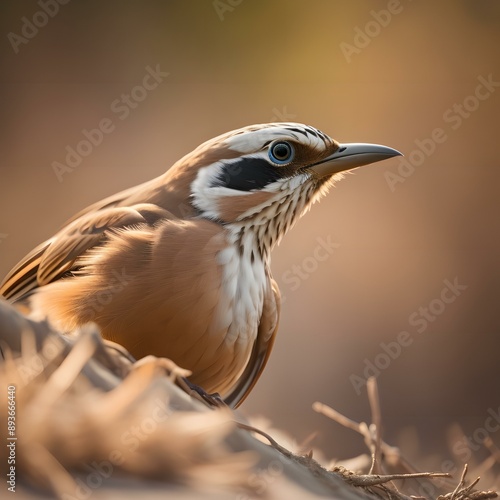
248	174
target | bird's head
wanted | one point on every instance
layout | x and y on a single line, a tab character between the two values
264	177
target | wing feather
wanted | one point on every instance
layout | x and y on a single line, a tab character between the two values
56	256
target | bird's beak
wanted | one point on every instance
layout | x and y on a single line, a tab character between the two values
353	155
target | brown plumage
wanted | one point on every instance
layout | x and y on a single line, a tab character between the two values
179	266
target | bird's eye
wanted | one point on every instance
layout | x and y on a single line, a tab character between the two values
281	153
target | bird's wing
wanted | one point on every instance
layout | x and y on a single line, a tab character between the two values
261	350
56	256
126	198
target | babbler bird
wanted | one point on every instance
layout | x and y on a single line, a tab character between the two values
178	267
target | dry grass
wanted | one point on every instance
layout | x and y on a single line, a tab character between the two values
385	456
88	419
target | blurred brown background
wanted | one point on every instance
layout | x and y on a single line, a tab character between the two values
352	69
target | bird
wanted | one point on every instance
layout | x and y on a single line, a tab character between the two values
179	266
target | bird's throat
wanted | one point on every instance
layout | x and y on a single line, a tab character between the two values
262	227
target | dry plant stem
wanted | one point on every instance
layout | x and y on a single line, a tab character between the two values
272	441
374	400
377	446
376	479
328	477
462	492
360	480
329	412
482	495
466	490
391	453
306	442
375	429
460	483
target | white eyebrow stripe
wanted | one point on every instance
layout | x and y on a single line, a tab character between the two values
257	137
